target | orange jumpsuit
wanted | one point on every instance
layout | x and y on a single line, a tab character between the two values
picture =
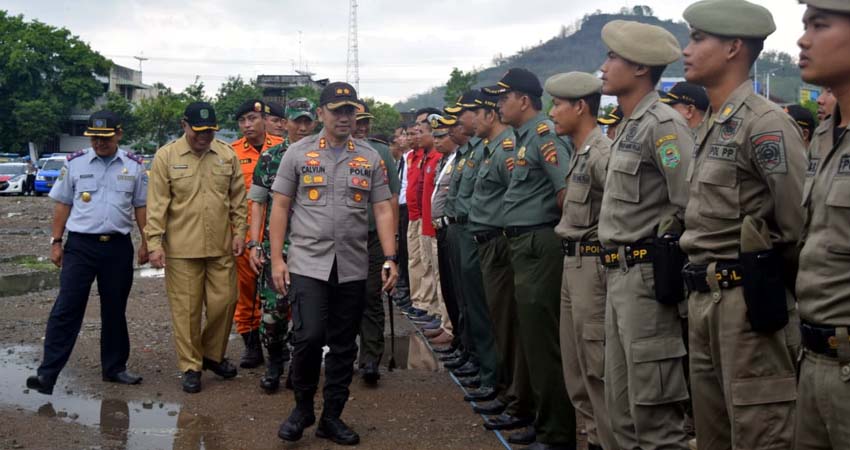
248	308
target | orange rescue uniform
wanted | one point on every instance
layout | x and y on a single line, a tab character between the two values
248	309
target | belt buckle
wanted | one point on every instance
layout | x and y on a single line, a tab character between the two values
104	238
832	341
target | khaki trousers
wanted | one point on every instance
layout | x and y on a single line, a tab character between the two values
446	324
743	382
415	268
198	289
823	399
583	291
645	387
429	287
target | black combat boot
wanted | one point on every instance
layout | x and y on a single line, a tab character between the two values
333	428
253	354
270	382
300	418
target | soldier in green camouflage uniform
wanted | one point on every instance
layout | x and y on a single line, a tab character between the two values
274	333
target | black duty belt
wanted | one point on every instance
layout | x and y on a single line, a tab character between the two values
520	230
635	254
587	248
462	220
819	339
105	237
729	275
482	237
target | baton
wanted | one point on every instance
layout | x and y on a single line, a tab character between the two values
391	365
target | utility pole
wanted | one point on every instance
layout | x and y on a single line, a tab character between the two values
141	59
352	64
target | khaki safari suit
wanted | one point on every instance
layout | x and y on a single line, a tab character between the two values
196	204
748	161
644	375
823	293
583	287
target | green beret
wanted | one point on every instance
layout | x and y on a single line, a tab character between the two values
841	6
572	85
641	43
731	18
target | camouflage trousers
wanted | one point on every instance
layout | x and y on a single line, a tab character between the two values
274	326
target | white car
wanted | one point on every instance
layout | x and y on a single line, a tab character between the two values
16	175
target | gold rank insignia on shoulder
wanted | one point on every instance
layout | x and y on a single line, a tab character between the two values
246	144
323	143
268	141
350	145
542	129
508	144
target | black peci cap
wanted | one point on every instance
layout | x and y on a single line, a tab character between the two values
250	106
274	109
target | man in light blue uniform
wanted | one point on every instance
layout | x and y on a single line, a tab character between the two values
97	194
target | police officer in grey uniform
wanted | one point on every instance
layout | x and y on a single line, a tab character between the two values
97	194
327	180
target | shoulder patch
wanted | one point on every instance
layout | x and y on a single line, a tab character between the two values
670	154
769	151
549	153
508	144
730	129
543	129
76	154
135	157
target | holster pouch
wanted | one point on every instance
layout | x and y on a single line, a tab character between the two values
667	264
764	290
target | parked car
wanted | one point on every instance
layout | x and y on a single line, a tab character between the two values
46	176
15	175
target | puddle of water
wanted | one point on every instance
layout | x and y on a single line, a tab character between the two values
21	283
133	424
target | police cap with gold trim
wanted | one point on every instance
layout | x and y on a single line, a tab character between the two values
517	79
103	123
730	18
200	116
840	6
338	94
465	101
641	43
573	85
441	124
612	118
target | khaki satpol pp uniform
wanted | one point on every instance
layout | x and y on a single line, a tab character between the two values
748	168
644	376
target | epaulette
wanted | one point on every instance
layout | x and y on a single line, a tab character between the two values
76	154
508	144
221	142
135	157
542	129
380	141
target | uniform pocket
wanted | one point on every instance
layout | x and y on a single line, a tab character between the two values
624	178
718	191
578	208
658	375
221	176
313	191
86	185
838	200
182	180
769	402
359	188
593	336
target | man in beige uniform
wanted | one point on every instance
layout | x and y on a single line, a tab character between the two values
196	225
823	284
644	379
748	168
576	98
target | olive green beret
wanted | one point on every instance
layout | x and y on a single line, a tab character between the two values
841	6
641	43
730	18
572	85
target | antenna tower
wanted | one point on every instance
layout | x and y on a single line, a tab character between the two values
352	64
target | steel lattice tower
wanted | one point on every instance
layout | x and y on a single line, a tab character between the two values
352	64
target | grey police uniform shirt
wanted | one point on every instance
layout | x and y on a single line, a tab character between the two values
113	190
329	192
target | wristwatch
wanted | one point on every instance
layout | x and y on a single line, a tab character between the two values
251	244
54	240
393	258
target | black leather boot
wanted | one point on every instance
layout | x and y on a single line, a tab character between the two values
300	418
333	428
253	354
270	382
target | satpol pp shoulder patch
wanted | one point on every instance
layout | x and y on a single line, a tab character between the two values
769	152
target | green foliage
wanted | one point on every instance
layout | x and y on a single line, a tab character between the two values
386	117
119	104
195	91
308	92
459	82
44	72
158	118
230	96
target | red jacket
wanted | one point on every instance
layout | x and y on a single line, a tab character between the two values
415	161
429	176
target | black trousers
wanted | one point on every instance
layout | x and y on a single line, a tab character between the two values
325	313
403	219
86	258
447	286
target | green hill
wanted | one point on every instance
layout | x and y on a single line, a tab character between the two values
584	50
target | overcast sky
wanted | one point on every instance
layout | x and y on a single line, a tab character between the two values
406	47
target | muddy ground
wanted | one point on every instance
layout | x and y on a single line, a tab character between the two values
413	408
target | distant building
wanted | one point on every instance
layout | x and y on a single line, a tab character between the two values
121	80
276	88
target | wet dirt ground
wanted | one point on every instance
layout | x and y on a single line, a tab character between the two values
416	408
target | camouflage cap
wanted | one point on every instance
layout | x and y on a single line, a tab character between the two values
641	43
572	85
841	6
730	18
